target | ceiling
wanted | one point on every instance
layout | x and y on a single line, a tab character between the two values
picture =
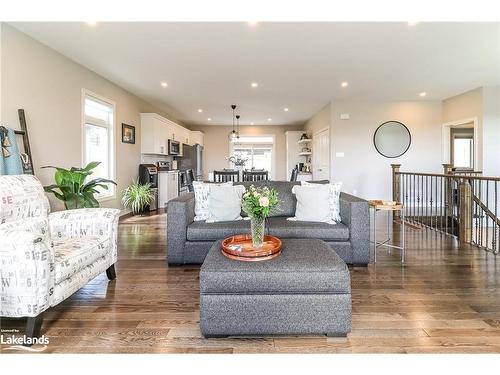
299	66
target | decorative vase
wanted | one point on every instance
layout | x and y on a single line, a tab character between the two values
257	225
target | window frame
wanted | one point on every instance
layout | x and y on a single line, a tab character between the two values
272	175
111	193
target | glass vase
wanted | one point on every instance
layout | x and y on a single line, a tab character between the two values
257	225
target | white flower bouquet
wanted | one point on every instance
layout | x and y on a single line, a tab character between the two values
258	203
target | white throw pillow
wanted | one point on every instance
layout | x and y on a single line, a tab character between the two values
201	194
224	203
333	199
311	203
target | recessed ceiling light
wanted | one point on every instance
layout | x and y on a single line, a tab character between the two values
344	84
252	23
200	110
269	119
91	23
285	109
251	123
412	23
254	84
422	94
209	119
164	84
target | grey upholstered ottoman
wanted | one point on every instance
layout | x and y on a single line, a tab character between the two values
304	291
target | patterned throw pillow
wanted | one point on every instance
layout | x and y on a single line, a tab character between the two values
334	199
201	195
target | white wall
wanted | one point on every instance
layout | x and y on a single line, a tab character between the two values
464	107
491	130
363	170
49	87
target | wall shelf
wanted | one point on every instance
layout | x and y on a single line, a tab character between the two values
305	153
302	141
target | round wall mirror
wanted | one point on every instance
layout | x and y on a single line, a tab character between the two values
392	139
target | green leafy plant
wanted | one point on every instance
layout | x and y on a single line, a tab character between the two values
259	202
137	196
71	186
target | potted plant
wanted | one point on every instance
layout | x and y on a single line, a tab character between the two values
258	203
71	186
137	197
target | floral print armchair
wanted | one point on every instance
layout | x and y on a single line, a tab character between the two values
46	257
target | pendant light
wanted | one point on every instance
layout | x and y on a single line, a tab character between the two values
237	126
233	135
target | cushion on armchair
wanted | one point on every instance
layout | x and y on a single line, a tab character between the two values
73	255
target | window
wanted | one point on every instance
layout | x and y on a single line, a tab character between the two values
257	149
98	136
462	148
463	151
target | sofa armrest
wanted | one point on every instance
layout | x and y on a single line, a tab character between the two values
354	213
85	222
26	272
180	213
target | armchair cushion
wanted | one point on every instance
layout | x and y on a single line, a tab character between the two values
26	271
73	255
84	223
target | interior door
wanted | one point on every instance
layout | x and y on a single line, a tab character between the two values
321	155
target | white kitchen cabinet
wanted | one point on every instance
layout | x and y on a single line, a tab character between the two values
173	184
168	187
153	134
196	137
157	130
185	136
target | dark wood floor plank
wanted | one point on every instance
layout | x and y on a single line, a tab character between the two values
443	300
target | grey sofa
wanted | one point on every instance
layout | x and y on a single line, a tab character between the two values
189	241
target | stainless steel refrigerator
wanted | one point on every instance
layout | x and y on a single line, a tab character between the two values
192	158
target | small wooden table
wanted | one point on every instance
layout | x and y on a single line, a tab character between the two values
379	205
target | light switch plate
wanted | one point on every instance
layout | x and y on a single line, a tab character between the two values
339	154
344	116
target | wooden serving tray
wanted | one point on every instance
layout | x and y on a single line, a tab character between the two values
240	248
380	205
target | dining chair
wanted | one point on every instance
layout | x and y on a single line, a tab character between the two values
226	176
295	173
255	175
189	179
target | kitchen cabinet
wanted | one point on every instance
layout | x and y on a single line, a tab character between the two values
168	187
157	130
196	137
154	138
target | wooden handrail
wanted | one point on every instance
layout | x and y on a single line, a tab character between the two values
486	210
468	177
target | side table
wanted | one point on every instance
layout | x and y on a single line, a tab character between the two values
379	205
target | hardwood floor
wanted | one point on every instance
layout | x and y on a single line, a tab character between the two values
445	299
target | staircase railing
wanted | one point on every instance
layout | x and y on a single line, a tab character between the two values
463	204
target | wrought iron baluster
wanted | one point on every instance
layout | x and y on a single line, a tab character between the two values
480	216
487	216
495	225
426	199
452	184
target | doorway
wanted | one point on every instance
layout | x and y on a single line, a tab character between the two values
321	155
462	148
460	144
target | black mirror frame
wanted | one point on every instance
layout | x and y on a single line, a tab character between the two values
397	156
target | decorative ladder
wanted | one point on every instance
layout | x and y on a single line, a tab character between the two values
27	164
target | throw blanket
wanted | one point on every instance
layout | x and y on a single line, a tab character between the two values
10	158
